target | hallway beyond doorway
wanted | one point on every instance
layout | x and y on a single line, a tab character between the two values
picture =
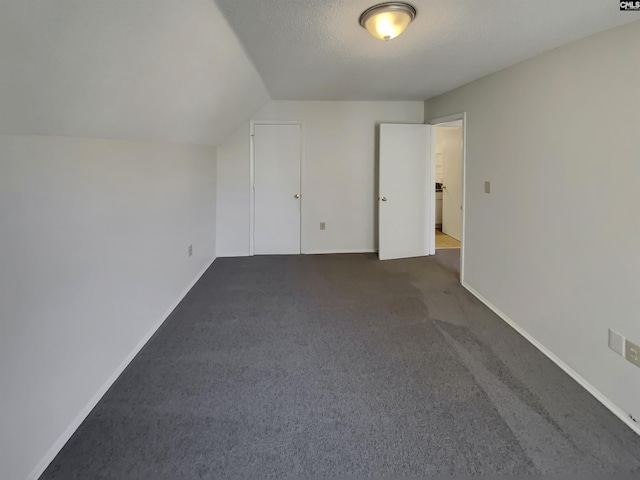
445	241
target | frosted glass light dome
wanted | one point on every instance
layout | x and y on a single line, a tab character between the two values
388	20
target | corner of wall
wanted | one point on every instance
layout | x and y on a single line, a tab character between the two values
427	111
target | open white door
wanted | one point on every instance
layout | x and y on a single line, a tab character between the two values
405	214
277	189
452	182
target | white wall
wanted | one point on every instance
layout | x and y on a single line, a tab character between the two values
439	156
94	236
232	218
339	174
555	245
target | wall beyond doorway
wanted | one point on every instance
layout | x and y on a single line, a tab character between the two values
449	175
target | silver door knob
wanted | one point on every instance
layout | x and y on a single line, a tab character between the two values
444	187
384	199
296	195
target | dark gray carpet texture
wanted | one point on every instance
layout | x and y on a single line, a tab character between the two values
341	366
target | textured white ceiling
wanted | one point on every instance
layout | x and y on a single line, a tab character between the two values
316	50
170	70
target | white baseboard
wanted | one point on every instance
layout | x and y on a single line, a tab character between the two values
572	373
337	251
310	252
69	431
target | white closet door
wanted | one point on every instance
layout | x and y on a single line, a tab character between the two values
277	156
406	224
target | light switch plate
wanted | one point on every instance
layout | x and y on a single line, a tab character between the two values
616	342
323	226
632	353
487	187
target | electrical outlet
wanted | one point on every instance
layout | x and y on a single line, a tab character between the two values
487	187
323	226
190	250
632	353
616	342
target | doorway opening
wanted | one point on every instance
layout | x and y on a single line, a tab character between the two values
448	163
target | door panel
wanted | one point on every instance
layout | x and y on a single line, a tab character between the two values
452	180
277	189
405	212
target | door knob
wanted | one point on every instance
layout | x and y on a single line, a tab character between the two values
384	199
444	187
296	195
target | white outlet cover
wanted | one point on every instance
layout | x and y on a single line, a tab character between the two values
632	353
616	342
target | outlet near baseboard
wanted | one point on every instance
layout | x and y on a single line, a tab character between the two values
624	347
632	353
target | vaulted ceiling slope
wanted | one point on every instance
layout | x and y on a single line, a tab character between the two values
164	70
316	50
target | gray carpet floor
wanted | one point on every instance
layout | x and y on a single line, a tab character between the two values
341	366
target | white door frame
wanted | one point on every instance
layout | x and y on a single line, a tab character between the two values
252	177
436	121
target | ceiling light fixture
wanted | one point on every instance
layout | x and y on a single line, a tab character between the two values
388	20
